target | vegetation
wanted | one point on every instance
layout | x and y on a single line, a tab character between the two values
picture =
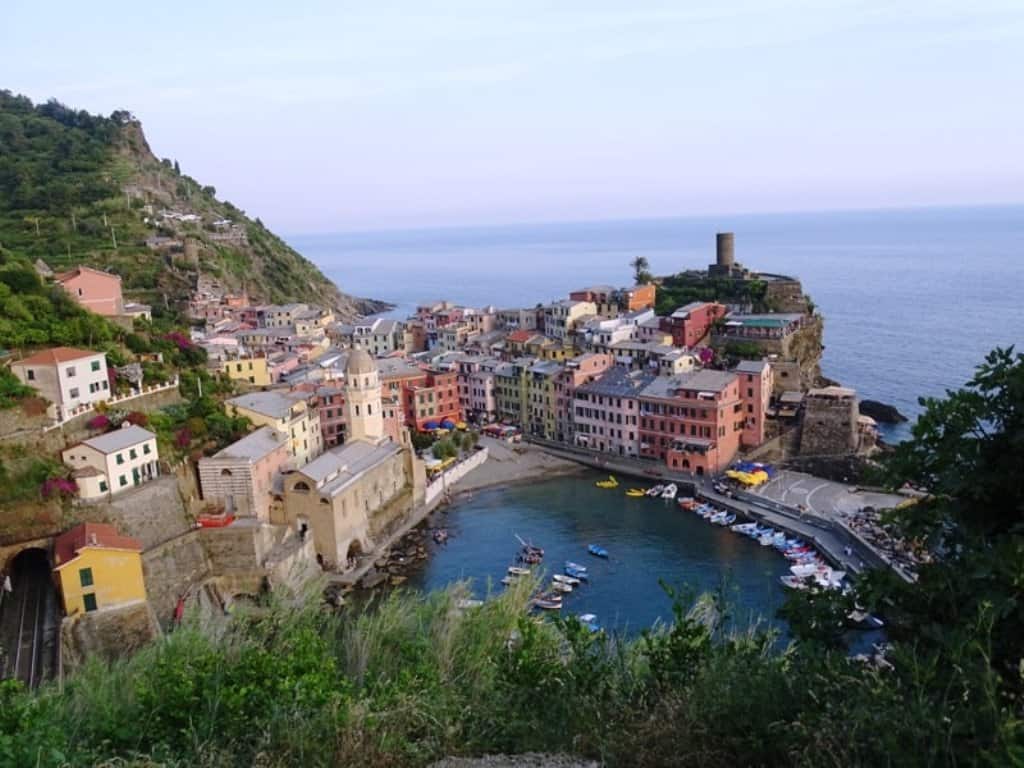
678	290
415	678
78	189
641	270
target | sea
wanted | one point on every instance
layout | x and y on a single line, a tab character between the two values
912	299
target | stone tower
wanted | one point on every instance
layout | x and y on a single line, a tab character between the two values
363	412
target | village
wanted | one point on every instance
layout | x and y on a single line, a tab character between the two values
359	430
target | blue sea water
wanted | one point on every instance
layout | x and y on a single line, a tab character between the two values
913	299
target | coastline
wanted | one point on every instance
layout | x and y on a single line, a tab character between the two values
510	465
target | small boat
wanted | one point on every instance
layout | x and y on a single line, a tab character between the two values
858	619
548	605
509	581
636	493
575	566
743	527
516	571
597	550
717	516
441	535
611	482
792	582
465	602
589	620
670	491
656	490
561	586
804	570
570	580
727	519
581	575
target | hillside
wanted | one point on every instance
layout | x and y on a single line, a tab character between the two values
77	188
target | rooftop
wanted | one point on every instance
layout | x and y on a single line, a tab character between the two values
751	366
68	544
276	405
618	382
696	381
253	446
56	356
335	470
119	439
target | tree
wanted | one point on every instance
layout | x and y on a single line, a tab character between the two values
641	273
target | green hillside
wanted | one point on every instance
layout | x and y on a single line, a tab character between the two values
77	188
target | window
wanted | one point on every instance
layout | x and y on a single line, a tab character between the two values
133	454
30	374
122	481
120	458
103	486
73	393
89	601
70	371
145	448
85	576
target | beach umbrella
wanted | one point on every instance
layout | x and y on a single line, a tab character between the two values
430	426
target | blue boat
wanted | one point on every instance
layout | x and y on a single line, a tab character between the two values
576	573
589	621
597	551
577	566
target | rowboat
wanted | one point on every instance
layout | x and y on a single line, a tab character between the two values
636	493
570	580
516	571
597	550
561	586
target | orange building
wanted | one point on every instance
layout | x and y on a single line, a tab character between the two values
97	291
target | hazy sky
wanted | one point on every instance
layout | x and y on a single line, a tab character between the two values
323	116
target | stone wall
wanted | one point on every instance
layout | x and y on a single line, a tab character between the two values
435	489
829	426
152	513
171	568
110	634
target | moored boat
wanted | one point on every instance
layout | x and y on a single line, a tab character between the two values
561	586
576	574
576	566
570	580
611	482
670	491
516	571
636	493
597	551
656	490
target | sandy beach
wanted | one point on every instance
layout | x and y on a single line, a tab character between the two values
518	463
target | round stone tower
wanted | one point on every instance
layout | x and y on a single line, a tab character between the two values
724	251
363	413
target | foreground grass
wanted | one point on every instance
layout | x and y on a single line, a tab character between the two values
416	678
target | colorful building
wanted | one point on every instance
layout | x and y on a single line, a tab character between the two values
755	393
241	477
98	568
541	399
607	411
692	422
691	323
114	462
73	380
576	372
437	399
97	291
252	370
477	389
561	318
285	412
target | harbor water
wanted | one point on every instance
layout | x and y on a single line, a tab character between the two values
649	541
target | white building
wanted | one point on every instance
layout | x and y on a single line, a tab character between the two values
73	380
111	463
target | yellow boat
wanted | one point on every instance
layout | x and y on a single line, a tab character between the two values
611	482
636	493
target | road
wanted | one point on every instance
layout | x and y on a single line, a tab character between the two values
28	622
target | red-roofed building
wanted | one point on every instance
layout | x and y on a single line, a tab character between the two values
97	567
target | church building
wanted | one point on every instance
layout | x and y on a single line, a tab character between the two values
351	495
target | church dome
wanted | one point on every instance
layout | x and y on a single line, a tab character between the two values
359	363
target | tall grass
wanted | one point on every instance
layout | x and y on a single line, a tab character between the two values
412	678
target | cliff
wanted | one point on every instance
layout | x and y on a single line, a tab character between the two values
77	188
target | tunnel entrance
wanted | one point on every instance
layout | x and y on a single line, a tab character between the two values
29	619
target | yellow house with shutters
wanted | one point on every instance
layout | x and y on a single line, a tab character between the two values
97	568
253	370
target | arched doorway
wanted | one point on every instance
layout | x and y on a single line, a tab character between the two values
29	619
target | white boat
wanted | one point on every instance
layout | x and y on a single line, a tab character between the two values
508	580
575	566
515	570
561	586
656	490
804	570
717	518
793	582
570	580
586	618
765	541
744	527
468	603
670	491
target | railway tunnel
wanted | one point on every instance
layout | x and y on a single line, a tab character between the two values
29	619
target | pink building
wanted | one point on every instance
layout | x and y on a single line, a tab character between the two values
689	324
607	411
97	291
330	402
575	373
755	393
476	388
241	477
692	422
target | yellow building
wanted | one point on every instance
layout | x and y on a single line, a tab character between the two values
253	370
285	412
98	568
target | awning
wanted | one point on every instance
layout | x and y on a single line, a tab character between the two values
431	425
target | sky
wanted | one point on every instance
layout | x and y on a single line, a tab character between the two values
335	116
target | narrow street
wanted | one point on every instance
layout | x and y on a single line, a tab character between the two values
29	621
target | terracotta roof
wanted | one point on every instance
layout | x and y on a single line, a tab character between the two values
56	356
521	336
68	544
60	277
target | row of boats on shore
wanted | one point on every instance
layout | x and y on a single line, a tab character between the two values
668	491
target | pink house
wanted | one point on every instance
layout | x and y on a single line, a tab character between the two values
241	477
607	411
576	372
755	380
97	291
689	324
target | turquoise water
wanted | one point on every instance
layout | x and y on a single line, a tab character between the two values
913	299
648	540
